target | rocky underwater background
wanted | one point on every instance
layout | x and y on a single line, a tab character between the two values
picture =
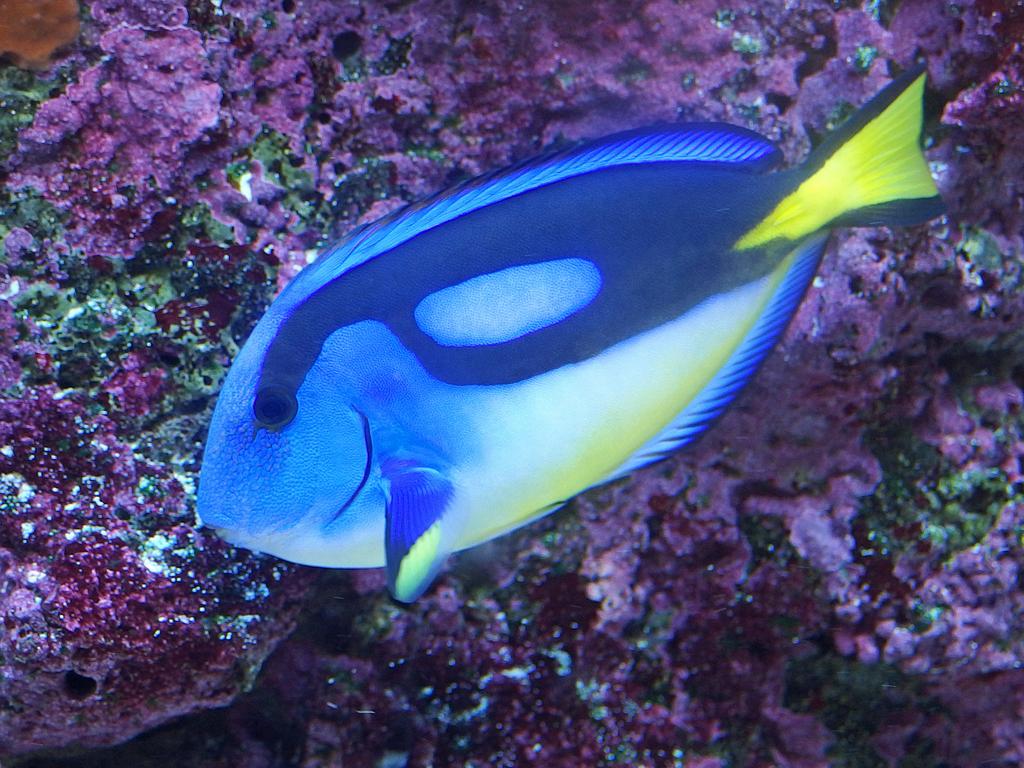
831	576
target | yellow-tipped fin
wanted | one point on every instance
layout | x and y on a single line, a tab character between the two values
414	540
872	172
417	569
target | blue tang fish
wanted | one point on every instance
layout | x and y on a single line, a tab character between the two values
469	364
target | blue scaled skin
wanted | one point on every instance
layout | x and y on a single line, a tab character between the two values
469	364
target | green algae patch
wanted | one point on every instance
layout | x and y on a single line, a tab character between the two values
924	502
768	540
985	259
746	44
26	209
724	18
893	513
966	506
21	93
864	57
285	168
395	56
356	189
155	324
633	70
855	702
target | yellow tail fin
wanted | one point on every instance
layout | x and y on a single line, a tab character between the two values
871	172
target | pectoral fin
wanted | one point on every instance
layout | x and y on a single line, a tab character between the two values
415	542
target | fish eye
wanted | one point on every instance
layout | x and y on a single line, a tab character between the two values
274	407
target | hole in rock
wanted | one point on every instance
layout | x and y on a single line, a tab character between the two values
346	44
78	686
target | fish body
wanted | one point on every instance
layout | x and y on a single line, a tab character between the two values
471	363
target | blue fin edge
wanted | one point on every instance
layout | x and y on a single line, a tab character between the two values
688	142
729	381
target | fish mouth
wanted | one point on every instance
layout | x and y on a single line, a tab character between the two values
273	542
234	538
269	544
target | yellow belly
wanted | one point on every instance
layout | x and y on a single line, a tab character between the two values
551	437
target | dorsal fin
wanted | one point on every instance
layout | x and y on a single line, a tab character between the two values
688	142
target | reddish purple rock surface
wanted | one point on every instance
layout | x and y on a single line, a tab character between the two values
831	576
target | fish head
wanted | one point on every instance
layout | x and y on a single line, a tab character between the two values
293	475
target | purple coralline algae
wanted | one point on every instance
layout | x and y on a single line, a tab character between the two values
831	576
